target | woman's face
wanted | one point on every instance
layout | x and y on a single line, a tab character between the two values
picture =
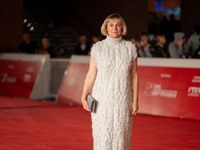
114	28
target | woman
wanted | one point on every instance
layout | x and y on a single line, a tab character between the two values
113	75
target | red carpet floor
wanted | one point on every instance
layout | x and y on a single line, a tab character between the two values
39	125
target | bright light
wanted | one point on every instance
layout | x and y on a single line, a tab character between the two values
25	20
32	28
177	11
29	25
170	11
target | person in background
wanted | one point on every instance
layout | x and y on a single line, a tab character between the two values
144	48
138	46
95	38
163	27
173	26
28	46
47	48
177	49
198	51
161	46
193	42
83	47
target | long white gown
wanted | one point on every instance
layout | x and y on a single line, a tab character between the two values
112	121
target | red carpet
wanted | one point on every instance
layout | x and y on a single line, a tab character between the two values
39	125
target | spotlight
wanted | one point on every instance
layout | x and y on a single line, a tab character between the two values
29	25
31	28
25	21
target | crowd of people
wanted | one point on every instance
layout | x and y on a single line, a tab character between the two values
148	45
156	45
30	47
159	46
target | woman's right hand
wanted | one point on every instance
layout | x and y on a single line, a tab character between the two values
85	105
88	84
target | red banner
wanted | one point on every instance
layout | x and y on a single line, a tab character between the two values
164	91
72	86
17	78
170	91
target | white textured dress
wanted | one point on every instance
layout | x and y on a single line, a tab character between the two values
112	121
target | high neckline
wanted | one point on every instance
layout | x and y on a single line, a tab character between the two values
111	40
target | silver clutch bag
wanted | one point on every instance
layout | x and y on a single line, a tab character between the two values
91	103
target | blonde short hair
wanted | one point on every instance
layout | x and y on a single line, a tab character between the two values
109	18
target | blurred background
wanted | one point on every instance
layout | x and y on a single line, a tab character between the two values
64	21
39	68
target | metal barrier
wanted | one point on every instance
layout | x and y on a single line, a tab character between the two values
58	69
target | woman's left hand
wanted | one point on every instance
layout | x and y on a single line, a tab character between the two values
135	109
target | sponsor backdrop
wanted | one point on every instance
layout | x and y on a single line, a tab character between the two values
23	75
170	91
17	78
168	87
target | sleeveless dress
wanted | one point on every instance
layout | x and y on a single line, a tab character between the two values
112	121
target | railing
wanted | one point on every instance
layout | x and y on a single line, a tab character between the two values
58	69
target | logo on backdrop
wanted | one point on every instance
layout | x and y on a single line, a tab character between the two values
8	79
194	91
196	79
152	89
27	78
